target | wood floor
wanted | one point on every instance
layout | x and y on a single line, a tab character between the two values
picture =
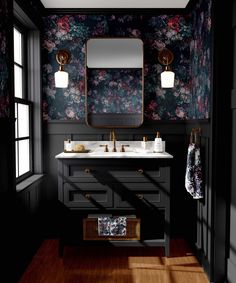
114	265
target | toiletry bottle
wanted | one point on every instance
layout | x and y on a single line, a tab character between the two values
158	143
144	143
68	145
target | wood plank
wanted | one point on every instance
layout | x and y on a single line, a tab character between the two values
118	265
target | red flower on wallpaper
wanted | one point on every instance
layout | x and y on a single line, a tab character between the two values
173	23
64	24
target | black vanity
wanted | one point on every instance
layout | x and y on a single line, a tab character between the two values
119	184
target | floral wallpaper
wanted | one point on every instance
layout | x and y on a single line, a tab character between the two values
121	90
72	31
200	54
4	71
187	100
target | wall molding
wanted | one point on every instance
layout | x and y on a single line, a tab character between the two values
231	272
97	11
233	99
165	127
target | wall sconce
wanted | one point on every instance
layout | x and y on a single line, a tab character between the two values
62	77
166	57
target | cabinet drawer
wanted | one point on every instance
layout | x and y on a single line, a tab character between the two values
87	195
82	172
138	172
97	171
137	195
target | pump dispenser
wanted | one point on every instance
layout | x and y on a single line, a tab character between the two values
144	143
67	145
158	143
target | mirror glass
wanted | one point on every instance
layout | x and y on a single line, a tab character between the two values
114	82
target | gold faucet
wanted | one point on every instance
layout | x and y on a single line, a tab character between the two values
113	138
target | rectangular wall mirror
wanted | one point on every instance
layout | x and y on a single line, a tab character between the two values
114	82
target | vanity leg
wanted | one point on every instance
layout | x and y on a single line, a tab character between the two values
167	249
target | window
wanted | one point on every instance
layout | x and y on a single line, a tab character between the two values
23	108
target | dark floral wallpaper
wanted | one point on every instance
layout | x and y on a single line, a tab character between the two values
114	91
4	71
175	32
200	54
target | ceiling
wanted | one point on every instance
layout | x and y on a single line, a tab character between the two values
120	4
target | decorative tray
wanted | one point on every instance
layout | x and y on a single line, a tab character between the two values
74	151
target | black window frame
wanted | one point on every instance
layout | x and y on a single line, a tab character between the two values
25	101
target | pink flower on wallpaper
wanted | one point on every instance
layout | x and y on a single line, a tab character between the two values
180	112
112	83
158	44
101	75
70	112
64	24
80	86
49	45
135	32
208	24
155	117
113	17
200	104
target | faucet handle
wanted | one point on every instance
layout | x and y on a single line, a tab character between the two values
106	147
123	147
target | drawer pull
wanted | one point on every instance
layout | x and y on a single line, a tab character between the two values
87	196
140	171
87	170
140	196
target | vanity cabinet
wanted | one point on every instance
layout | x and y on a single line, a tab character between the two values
117	186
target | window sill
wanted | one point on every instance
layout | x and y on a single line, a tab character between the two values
28	182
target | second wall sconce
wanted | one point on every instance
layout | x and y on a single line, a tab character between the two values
166	57
61	77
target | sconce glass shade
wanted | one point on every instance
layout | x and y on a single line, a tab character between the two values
167	79
166	57
61	79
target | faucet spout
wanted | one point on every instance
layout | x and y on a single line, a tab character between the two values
113	138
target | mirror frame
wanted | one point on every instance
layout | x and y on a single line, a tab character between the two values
110	117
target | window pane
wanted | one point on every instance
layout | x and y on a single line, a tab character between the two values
23	120
24	162
18	81
16	121
17	47
17	172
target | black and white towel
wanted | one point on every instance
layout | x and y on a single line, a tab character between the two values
193	176
112	226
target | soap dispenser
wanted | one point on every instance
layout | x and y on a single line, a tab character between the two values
158	143
67	145
144	143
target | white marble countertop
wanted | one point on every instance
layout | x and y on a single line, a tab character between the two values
96	151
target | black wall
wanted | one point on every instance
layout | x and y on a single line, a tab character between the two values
232	211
